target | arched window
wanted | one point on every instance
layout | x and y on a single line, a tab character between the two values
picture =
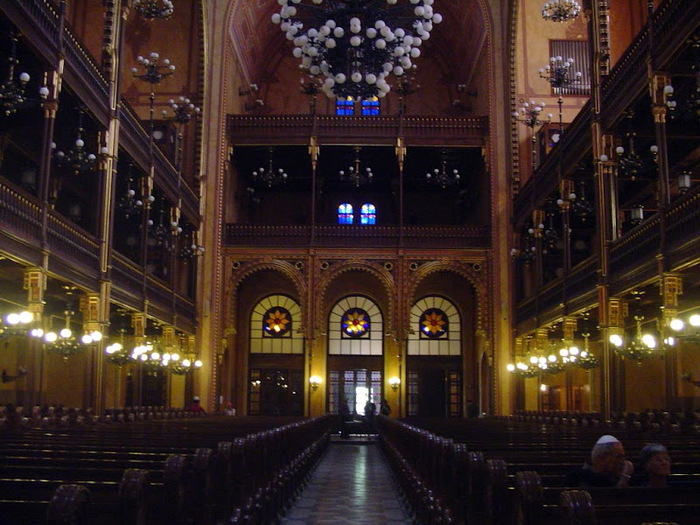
370	106
345	213
345	106
368	214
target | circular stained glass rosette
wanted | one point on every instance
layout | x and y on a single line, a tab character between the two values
277	322
433	323
355	322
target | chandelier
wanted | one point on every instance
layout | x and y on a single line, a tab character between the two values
117	354
191	248
65	343
182	367
270	176
640	347
443	176
128	203
77	159
355	173
561	10
581	207
154	9
19	325
686	331
352	46
586	359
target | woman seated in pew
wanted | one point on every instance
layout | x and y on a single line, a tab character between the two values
653	467
609	467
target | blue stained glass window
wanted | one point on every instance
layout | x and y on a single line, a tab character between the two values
345	213
370	106
355	323
277	322
433	324
345	106
368	214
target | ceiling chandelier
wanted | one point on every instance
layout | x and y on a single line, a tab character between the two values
19	325
355	173
270	176
12	95
443	176
684	330
154	9
65	343
352	46
640	346
561	10
77	159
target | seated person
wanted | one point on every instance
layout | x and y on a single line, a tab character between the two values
195	407
608	467
654	466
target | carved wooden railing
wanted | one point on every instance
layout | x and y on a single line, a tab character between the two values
357	236
75	249
127	281
331	129
20	218
682	227
674	22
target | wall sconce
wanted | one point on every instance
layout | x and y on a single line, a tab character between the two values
315	382
394	383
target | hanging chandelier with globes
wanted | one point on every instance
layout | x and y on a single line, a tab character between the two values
154	9
352	46
561	10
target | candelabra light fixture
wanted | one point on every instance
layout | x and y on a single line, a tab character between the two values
154	9
581	207
355	173
558	73
183	110
184	366
442	176
351	47
561	10
152	71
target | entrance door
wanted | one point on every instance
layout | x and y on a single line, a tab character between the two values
354	387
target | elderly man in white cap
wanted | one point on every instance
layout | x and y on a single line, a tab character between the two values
609	466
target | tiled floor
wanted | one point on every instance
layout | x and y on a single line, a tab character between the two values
352	484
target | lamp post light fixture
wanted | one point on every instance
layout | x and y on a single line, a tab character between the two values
351	47
529	115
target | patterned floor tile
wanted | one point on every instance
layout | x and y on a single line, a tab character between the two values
352	485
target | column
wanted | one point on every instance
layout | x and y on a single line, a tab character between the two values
671	288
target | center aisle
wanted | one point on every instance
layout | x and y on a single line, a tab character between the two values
352	484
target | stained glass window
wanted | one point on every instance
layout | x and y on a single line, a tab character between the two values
368	214
277	322
345	106
355	323
433	323
370	106
345	213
